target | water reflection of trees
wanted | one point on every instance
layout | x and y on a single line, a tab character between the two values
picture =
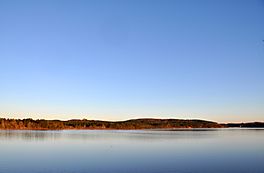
103	135
29	135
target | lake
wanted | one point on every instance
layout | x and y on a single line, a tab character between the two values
132	151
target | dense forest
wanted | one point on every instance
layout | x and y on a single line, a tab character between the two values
41	124
96	124
247	125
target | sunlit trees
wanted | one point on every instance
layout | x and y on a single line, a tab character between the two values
31	124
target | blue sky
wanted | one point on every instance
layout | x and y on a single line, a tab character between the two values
115	60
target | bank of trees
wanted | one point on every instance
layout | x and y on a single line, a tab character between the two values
246	125
94	124
30	124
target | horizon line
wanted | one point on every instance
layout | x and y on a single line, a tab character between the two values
161	118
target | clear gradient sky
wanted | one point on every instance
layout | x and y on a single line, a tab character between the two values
116	60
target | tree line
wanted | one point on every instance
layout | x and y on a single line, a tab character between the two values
42	124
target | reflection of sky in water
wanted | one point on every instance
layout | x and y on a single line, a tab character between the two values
222	150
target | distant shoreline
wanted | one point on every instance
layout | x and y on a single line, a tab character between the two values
133	124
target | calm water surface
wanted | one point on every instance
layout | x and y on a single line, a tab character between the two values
99	151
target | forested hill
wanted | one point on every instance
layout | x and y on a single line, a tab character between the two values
31	124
